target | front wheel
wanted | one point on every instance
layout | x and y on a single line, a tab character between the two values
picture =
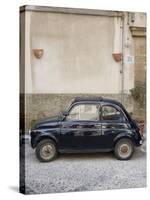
124	149
46	150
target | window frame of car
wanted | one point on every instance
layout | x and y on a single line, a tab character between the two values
83	103
118	108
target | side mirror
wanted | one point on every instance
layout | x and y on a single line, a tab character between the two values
65	113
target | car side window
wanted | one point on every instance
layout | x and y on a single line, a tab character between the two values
110	113
84	112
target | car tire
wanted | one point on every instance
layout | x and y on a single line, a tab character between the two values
46	150
124	149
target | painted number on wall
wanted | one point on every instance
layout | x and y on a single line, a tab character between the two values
129	59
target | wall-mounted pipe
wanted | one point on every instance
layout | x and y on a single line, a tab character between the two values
122	63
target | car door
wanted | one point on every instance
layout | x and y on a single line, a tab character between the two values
81	129
113	122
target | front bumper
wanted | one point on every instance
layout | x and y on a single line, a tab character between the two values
33	138
141	141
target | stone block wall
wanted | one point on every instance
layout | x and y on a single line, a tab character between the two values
40	106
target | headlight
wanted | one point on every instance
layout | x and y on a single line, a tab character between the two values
141	142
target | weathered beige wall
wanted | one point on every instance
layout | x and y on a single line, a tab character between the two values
139	19
77	53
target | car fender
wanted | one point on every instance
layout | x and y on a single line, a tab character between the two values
123	135
42	135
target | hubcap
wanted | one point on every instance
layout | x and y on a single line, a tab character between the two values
125	150
47	151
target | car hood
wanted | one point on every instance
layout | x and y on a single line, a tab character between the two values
47	122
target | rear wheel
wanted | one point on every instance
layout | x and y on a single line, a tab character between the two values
124	149
46	150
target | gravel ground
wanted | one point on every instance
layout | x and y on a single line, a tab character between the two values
84	172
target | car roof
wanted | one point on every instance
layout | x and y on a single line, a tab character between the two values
95	99
77	99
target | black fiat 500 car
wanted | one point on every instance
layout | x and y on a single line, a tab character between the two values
88	125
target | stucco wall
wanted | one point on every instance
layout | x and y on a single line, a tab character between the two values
77	53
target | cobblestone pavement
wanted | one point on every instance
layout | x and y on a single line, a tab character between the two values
82	172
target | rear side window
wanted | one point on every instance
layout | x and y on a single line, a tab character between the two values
110	113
